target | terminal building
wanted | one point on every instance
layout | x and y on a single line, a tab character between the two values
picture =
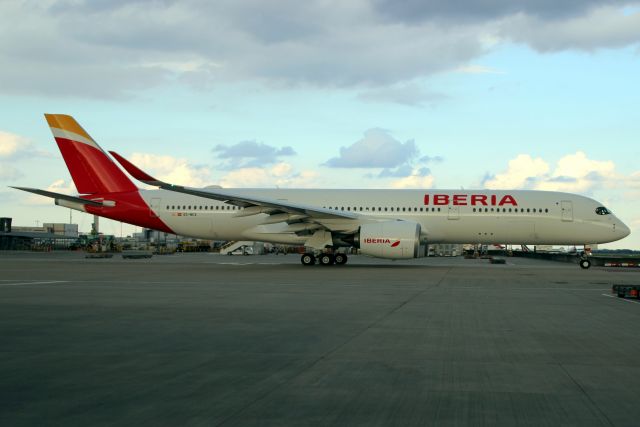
48	236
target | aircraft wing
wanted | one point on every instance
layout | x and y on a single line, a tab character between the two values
253	205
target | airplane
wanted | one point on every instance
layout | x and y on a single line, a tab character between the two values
391	224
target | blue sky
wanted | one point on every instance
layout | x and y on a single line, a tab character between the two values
369	94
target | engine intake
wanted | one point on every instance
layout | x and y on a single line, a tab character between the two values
389	239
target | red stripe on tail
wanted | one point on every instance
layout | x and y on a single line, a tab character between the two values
92	171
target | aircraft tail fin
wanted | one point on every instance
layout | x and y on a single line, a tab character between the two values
91	168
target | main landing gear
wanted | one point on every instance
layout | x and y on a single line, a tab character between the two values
324	259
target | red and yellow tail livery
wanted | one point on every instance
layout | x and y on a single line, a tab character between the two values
91	168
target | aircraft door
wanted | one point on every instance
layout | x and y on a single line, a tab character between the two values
155	207
567	210
453	212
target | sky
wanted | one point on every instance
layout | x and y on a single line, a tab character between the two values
507	94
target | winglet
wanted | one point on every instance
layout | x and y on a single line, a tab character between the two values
136	172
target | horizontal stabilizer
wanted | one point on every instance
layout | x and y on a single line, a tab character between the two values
60	196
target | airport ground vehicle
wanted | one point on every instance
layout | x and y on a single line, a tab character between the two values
392	224
243	250
626	291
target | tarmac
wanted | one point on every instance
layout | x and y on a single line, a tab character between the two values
202	339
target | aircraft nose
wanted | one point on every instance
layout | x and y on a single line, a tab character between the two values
622	229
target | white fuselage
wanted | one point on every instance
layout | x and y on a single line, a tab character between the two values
445	216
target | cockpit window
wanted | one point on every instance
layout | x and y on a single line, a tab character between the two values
602	211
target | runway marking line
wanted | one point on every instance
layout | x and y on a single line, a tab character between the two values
621	299
48	282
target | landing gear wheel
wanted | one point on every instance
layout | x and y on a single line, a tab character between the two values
585	263
326	259
308	259
340	259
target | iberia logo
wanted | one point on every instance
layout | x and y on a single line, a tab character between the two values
382	241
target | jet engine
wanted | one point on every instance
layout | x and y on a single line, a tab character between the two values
389	239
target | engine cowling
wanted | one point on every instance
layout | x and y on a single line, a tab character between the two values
389	239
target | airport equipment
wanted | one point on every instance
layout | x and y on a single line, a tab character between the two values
136	254
626	291
99	255
5	225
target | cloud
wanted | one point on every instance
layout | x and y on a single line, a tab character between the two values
410	95
9	173
477	69
250	154
577	173
416	11
521	173
415	180
173	170
377	149
432	159
279	175
10	144
116	49
572	173
15	147
602	27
